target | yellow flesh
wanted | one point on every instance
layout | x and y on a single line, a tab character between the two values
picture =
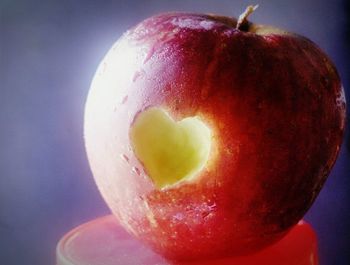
170	151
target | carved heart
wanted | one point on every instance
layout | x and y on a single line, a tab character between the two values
170	151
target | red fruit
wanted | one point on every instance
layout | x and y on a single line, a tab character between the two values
209	140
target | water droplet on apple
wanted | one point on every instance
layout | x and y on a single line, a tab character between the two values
136	170
177	104
149	55
205	92
260	105
174	234
179	216
136	76
103	68
125	157
205	214
212	206
314	194
129	113
324	81
125	99
166	89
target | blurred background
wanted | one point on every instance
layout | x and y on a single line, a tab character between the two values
49	51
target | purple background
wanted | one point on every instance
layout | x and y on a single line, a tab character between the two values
49	51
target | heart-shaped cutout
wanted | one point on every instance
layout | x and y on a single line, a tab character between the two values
170	151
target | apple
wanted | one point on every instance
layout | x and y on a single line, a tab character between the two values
209	136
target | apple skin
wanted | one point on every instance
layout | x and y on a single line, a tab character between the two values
276	108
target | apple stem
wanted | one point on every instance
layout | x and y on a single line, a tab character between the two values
242	20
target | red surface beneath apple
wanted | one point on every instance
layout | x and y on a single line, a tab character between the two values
104	242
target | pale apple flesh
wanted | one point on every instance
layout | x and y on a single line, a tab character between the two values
170	151
275	109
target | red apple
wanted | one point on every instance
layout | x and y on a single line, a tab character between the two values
209	137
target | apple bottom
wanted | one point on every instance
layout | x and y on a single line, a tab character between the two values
104	242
